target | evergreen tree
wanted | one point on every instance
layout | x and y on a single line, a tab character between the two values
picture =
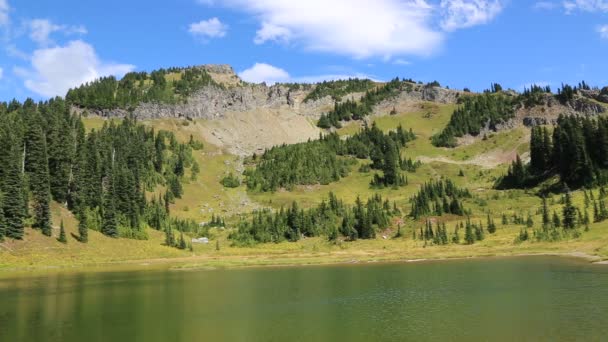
11	185
491	225
569	212
83	231
469	236
62	238
37	169
109	225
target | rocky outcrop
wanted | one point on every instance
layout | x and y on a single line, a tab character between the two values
420	92
213	102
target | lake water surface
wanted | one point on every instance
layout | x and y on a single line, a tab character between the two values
515	299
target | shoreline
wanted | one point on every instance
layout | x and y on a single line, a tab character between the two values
206	263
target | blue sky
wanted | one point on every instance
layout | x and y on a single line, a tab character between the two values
50	46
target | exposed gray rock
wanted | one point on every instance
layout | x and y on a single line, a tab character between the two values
213	102
432	94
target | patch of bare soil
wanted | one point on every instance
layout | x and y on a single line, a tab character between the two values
245	133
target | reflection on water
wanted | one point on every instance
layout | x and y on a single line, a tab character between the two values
524	299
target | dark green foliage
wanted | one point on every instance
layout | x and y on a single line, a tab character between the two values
569	212
101	176
491	225
37	169
476	113
534	96
337	89
517	176
13	206
577	152
231	181
109	225
358	222
330	158
566	93
469	234
216	222
436	198
495	88
137	87
62	237
83	231
523	235
351	110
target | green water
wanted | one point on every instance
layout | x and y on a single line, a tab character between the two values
519	299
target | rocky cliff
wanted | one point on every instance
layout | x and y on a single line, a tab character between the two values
213	102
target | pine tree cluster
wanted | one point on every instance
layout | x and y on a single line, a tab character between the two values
337	89
331	218
330	158
577	151
476	113
436	198
137	87
101	176
352	110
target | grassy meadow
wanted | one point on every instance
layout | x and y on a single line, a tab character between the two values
481	161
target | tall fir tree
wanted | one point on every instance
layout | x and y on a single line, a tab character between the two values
83	231
12	185
37	170
109	225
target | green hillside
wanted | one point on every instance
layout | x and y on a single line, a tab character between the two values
354	195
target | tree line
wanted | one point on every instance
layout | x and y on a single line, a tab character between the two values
439	197
331	158
474	114
576	151
353	110
100	176
331	218
162	86
338	89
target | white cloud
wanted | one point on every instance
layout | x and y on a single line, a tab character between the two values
272	32
603	31
358	28
458	14
1	73
41	30
269	74
4	9
211	28
55	70
262	72
586	5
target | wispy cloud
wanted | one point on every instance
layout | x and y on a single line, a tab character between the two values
4	10
210	28
586	5
603	31
459	14
41	30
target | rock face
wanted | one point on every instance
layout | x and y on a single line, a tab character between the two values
212	102
549	110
